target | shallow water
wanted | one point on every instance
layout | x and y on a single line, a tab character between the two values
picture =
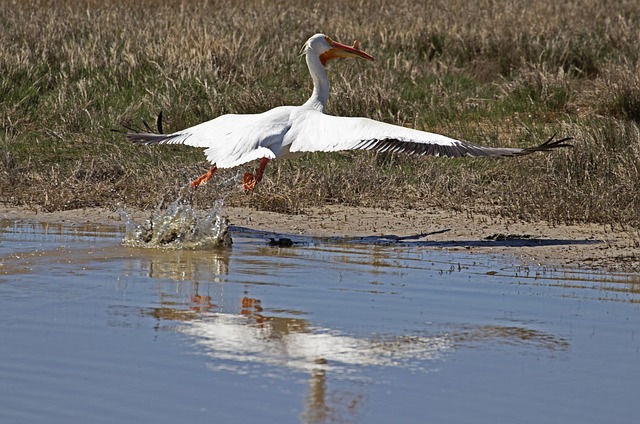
320	332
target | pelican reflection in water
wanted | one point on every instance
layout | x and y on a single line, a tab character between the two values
236	331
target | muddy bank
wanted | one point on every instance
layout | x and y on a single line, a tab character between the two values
590	246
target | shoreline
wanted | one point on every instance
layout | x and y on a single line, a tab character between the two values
587	246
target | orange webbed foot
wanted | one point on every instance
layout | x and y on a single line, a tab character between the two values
249	182
203	179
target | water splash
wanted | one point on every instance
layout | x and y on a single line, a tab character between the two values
179	227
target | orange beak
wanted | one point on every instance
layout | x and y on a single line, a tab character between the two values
339	50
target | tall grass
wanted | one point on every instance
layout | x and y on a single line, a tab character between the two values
508	73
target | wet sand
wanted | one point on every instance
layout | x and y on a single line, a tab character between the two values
584	246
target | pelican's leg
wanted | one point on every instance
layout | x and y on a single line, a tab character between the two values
202	179
249	181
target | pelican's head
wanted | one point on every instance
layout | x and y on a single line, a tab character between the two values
327	49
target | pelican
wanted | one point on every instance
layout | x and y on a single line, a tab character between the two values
287	131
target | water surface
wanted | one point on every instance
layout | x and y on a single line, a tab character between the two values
320	332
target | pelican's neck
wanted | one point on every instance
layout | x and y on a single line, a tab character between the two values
321	87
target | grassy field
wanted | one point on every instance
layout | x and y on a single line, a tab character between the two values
504	73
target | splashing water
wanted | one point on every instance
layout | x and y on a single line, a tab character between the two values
179	227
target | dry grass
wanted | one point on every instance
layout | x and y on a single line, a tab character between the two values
501	73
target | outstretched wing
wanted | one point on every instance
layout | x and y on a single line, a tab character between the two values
314	131
230	140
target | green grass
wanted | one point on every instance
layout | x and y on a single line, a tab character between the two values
496	73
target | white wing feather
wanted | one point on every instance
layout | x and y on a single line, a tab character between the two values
314	131
231	140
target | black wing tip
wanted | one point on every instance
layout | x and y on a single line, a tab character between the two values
159	123
144	138
137	136
557	143
127	126
147	126
549	145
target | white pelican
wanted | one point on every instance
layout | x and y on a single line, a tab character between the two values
231	140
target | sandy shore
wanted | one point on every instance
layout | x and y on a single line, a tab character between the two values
588	246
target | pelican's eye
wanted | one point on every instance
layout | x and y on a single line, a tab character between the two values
329	40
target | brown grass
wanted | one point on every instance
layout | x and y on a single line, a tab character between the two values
499	73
